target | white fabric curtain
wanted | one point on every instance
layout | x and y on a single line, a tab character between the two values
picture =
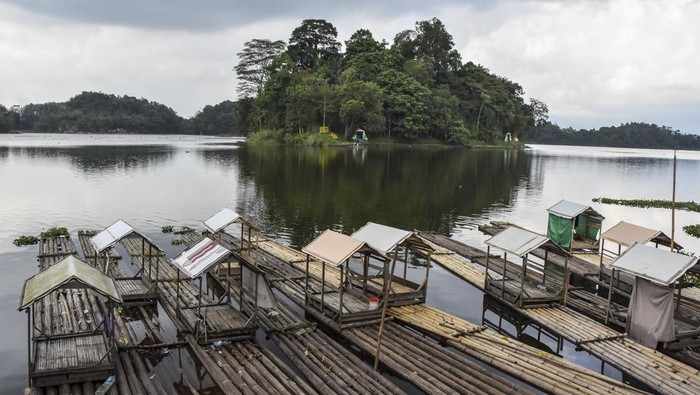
650	317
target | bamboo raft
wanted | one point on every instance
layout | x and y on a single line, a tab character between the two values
660	372
427	365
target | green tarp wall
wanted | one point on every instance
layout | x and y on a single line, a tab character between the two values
560	230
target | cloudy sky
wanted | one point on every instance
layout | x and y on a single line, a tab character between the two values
595	63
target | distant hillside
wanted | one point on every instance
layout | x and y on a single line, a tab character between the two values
96	112
628	135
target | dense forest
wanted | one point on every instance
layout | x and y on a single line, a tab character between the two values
628	135
96	112
417	87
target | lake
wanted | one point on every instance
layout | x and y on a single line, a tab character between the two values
294	193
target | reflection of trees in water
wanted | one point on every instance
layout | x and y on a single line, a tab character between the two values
225	158
4	152
102	159
308	190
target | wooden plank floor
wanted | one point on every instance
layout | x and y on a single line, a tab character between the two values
651	367
69	353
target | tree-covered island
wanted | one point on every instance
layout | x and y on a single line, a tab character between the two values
416	89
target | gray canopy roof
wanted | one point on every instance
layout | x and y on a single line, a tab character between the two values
654	264
567	209
113	234
336	248
70	272
224	218
520	242
385	238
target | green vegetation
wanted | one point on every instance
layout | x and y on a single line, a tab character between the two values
415	89
177	242
692	230
166	229
25	241
629	135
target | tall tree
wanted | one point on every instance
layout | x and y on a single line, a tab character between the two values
312	42
253	62
361	106
362	41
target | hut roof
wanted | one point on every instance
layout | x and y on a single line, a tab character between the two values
113	234
200	257
335	248
224	218
386	239
70	272
626	234
520	242
656	265
567	209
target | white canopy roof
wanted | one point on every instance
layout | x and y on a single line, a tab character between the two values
656	265
113	234
70	272
221	220
200	257
517	241
382	237
336	248
567	209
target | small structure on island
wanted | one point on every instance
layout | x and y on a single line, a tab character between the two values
93	355
399	245
218	223
524	286
650	317
343	298
211	321
574	227
360	137
136	288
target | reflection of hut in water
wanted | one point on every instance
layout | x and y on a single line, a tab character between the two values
91	344
399	245
520	286
650	317
573	226
343	294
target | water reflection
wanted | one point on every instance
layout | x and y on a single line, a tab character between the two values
309	190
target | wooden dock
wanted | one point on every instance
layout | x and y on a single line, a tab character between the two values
660	372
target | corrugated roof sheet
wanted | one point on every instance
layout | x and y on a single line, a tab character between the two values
221	220
567	209
517	241
335	248
200	257
382	237
70	272
113	234
656	265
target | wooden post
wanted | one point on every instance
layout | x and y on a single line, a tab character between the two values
199	306
610	292
427	274
228	280
522	280
29	345
544	268
241	247
566	279
602	252
177	297
405	261
323	283
503	284
365	273
143	252
486	277
387	286
306	280
150	264
342	291
106	261
673	205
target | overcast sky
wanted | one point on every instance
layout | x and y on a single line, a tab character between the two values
595	63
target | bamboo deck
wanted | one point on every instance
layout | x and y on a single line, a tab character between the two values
545	371
660	372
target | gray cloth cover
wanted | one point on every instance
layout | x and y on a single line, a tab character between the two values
650	317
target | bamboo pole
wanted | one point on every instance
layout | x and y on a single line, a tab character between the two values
385	306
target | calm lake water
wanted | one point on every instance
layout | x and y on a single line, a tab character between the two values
89	181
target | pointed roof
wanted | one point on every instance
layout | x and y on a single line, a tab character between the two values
335	248
626	234
387	239
567	209
520	242
113	234
70	272
200	257
224	218
654	264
